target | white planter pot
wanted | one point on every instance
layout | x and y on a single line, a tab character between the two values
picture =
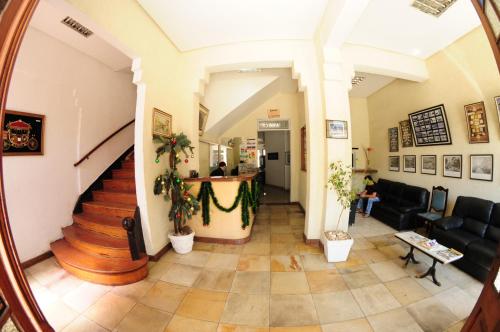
337	250
182	244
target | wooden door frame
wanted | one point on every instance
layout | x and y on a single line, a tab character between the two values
25	312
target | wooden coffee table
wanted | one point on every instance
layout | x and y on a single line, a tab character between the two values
439	253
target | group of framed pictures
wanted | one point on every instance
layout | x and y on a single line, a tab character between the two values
481	165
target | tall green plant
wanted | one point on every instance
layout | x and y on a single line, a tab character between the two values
340	181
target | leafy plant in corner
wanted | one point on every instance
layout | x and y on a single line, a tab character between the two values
340	181
171	185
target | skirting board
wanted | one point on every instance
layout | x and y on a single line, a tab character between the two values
312	242
37	259
156	257
222	241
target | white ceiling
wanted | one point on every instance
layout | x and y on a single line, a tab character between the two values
371	84
193	24
396	26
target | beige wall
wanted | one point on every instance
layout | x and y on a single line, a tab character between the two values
360	134
463	73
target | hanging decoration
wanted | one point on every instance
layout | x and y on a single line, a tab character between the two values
171	185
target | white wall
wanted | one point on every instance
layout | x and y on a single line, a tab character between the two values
83	101
360	133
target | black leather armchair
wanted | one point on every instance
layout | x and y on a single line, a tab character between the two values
474	230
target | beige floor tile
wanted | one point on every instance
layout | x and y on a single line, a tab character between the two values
326	281
292	310
315	328
254	263
362	243
144	318
371	255
247	309
43	296
355	325
283	238
159	269
134	291
235	249
353	263
291	263
383	240
289	283
296	221
82	324
257	248
304	249
281	229
335	307
407	290
252	282
398	320
375	299
393	251
284	249
180	274
316	263
223	261
194	258
457	327
46	272
240	328
215	279
363	277
109	310
387	271
59	314
83	296
203	304
458	301
64	284
179	323
164	296
431	315
202	246
428	284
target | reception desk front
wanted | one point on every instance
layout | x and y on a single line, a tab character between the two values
224	227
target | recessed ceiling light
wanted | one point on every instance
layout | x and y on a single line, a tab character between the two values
250	70
357	79
433	7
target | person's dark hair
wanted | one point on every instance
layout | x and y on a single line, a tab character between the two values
369	177
222	164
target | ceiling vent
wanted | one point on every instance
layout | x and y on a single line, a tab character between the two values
74	25
433	7
357	79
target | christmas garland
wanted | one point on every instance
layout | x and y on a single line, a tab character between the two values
248	197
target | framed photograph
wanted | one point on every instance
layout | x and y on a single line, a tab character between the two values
477	125
481	167
394	163
162	123
428	164
336	129
430	126
202	119
23	133
406	135
410	163
393	140
452	166
497	104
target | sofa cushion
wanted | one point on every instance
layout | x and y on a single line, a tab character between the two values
448	223
475	226
457	239
382	187
415	196
474	208
395	192
493	230
482	252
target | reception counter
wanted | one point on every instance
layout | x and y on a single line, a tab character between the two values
224	227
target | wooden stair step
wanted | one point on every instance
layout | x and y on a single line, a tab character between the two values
120	185
96	243
103	270
114	196
109	209
108	225
123	173
128	164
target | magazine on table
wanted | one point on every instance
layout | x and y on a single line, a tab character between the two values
449	254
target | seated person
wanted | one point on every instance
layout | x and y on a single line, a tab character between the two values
370	194
219	171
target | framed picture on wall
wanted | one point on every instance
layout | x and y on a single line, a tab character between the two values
162	123
497	104
475	115
410	163
428	164
394	163
481	167
23	133
202	119
452	166
393	140
336	129
430	126
406	135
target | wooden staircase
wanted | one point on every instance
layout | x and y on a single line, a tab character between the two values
95	247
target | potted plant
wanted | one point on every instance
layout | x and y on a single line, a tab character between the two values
337	243
174	189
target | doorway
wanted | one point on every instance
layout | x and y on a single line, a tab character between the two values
275	162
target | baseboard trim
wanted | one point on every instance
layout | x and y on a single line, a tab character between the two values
37	259
301	207
156	257
222	241
311	242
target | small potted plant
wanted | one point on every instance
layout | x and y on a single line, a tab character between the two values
338	243
174	189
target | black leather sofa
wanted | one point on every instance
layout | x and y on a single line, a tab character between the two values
399	204
474	230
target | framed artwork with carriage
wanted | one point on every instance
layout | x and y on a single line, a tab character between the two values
23	133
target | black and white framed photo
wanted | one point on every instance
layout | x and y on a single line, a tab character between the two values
430	126
394	163
428	164
452	166
393	140
336	129
481	167
406	134
410	163
497	104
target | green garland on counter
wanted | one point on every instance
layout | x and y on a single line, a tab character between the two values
248	197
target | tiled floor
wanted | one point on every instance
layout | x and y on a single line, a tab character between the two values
273	283
275	195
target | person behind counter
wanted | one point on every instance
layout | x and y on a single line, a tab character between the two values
219	171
